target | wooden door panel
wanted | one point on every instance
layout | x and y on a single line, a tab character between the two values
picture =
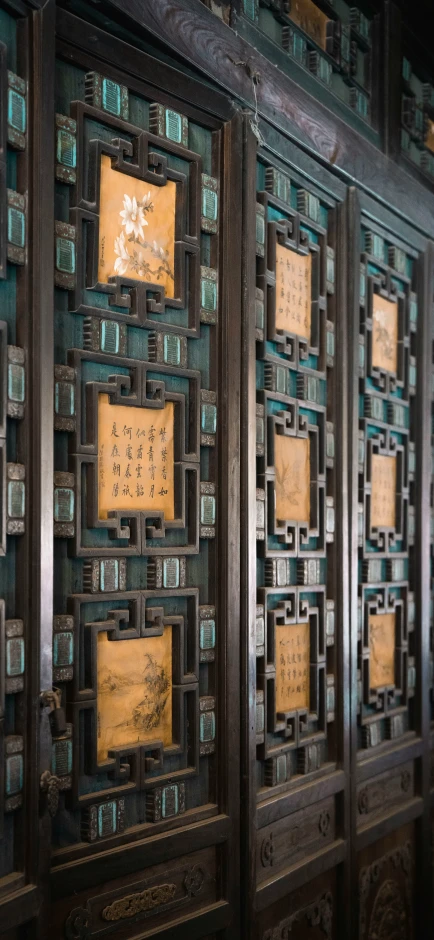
296	754
388	593
140	505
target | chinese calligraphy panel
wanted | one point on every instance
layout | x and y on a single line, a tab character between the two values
383	492
293	291
292	673
135	458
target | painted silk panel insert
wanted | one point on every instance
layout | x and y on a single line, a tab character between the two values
136	229
135	458
134	696
293	291
292	666
292	466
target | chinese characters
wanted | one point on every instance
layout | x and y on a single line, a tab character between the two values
383	491
135	458
292	667
293	291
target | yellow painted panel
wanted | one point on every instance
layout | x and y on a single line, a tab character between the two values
136	229
134	693
135	458
292	666
293	291
292	465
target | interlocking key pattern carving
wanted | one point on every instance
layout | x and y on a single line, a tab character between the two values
295	303
135	500
13	451
386	463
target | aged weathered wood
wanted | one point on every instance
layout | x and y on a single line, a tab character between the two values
217	52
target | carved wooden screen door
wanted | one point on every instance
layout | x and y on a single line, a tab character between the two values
140	341
338	340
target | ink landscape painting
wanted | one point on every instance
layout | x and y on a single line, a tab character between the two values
134	694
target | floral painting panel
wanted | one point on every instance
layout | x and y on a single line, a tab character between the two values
292	468
136	229
134	691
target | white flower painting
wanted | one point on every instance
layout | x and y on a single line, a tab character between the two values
137	228
134	220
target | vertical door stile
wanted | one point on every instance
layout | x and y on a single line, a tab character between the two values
248	529
41	455
342	568
353	206
229	382
422	562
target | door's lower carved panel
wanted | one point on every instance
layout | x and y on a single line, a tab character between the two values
384	794
295	838
386	888
310	914
160	894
